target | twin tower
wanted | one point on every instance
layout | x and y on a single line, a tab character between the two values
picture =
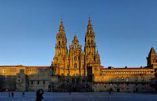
74	61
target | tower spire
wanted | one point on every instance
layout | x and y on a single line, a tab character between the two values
75	40
152	52
89	20
89	26
152	58
61	27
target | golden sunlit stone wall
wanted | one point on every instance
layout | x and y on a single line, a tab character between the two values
14	70
31	71
10	70
125	75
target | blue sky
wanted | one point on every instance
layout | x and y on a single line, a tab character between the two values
125	29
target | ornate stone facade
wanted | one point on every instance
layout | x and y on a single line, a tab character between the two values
74	62
75	67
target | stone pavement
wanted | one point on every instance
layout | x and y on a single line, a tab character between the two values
91	96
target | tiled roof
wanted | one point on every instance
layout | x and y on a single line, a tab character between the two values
25	66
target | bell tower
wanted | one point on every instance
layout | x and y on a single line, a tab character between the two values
61	44
61	50
90	44
92	57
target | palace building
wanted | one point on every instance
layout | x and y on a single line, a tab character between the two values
79	69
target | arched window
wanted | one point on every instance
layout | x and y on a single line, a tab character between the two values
75	58
59	42
75	65
88	42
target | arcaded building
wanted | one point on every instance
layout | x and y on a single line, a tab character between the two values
79	68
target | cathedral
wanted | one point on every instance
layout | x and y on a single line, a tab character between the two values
74	62
74	68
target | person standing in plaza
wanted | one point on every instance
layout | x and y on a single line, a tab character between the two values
39	95
12	94
9	93
23	94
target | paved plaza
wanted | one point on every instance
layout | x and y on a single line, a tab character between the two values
91	96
